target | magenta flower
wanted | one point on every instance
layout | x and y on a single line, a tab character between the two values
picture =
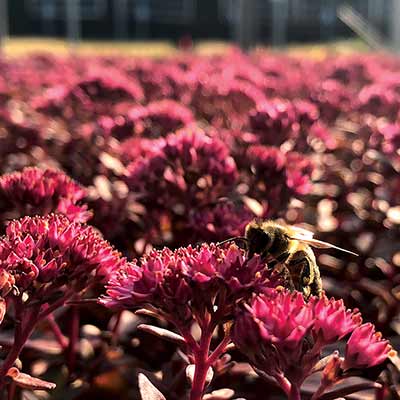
332	99
47	260
266	156
383	136
176	281
110	85
273	333
162	80
320	133
226	102
333	321
101	91
44	253
298	173
366	348
185	172
159	118
191	285
153	120
283	337
16	154
380	100
276	177
219	221
189	167
280	121
35	191
274	122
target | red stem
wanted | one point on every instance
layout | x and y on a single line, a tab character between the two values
191	343
294	393
55	328
25	322
200	375
284	384
23	330
201	363
219	350
60	302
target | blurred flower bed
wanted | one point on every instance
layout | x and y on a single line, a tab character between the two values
105	161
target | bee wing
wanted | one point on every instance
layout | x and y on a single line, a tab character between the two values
319	244
300	233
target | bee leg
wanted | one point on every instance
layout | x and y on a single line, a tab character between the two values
279	264
285	276
307	278
316	284
302	271
277	260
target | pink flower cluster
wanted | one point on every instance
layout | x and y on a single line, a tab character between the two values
187	171
159	118
276	176
44	262
34	191
283	337
43	254
186	284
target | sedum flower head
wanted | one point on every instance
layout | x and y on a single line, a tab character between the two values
299	169
187	281
184	172
274	121
42	254
219	221
333	321
158	118
366	348
226	103
37	191
277	176
189	167
283	335
273	333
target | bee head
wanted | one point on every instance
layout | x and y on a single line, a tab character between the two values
259	239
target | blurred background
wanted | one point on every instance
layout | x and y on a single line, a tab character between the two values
246	22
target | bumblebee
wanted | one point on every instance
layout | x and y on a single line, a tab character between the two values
288	247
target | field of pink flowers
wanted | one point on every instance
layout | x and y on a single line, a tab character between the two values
120	175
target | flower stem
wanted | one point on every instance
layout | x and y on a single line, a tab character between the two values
58	303
201	363
55	328
23	330
199	379
283	383
220	349
294	393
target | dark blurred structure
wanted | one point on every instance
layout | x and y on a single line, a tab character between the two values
275	21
